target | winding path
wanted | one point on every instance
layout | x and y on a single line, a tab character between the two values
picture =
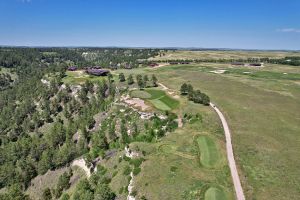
233	169
234	173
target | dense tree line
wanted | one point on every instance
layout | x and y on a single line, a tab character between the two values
26	149
144	81
5	81
194	95
45	124
294	60
117	57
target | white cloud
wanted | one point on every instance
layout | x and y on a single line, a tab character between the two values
289	30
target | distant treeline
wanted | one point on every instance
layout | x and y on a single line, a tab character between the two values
291	60
81	57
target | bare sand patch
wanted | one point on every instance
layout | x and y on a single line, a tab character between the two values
135	102
219	71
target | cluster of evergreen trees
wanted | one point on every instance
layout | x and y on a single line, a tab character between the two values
290	60
117	57
194	95
5	80
45	125
143	81
38	121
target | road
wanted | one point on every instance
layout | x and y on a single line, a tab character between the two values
234	173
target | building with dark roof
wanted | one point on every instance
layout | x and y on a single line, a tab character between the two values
72	68
97	72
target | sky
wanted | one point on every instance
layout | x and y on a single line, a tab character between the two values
244	24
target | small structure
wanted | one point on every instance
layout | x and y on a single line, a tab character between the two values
153	65
127	66
185	63
72	68
173	63
255	64
97	72
237	64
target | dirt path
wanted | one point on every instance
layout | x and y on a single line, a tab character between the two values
163	86
130	188
234	173
180	123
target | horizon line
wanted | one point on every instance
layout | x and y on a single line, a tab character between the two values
148	47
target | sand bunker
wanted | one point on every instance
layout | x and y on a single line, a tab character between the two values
219	71
136	102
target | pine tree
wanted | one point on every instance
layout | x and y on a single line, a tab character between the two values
130	80
122	77
154	80
184	89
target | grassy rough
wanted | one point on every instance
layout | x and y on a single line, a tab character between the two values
140	94
173	171
174	55
263	118
79	77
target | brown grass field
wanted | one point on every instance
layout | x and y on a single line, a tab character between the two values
173	55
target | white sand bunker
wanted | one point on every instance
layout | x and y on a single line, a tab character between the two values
219	71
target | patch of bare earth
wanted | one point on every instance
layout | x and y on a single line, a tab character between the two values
41	182
135	102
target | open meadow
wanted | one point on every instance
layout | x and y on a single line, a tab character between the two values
222	54
260	105
261	108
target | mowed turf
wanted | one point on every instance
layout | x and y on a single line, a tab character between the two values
263	116
172	171
214	193
80	76
157	98
209	155
140	94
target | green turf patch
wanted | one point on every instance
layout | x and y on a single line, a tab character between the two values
156	94
214	193
78	77
209	154
160	105
172	103
157	98
140	94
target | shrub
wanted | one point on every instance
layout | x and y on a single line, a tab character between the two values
126	170
136	162
136	171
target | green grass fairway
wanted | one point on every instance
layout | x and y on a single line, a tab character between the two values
262	114
160	105
79	77
140	94
209	154
158	98
215	194
173	171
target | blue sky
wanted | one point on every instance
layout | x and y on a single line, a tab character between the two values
247	24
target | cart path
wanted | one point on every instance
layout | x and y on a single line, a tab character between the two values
234	173
233	169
